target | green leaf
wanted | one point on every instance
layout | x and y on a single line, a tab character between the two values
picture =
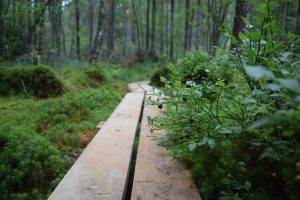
192	146
233	40
269	153
254	35
288	133
290	84
211	143
260	122
243	36
225	131
247	185
198	93
220	83
257	73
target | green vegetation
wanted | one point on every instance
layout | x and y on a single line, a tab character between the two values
156	78
235	116
232	109
40	138
39	81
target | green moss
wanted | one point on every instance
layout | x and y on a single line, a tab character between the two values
39	81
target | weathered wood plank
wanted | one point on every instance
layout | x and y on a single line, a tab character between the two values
139	86
156	175
101	172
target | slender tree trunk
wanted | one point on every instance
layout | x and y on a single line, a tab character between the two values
55	13
39	17
63	39
136	24
239	24
153	25
124	27
91	22
95	52
1	31
298	26
167	26
141	24
218	20
198	25
298	19
162	6
208	34
187	25
147	24
172	31
111	28
77	32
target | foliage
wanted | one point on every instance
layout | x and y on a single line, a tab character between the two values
95	74
241	133
156	78
36	132
29	165
39	81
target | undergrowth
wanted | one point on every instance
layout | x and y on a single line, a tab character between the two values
235	117
40	138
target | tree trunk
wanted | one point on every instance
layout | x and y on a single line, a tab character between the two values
77	31
172	31
198	25
187	28
111	28
39	17
298	19
124	27
161	26
1	31
147	24
167	26
91	22
55	13
141	23
95	52
136	24
239	24
218	20
153	25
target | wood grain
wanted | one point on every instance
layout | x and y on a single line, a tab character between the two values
101	172
157	176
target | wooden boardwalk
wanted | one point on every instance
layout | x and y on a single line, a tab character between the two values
157	176
102	170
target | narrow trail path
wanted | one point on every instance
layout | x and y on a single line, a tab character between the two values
157	176
102	170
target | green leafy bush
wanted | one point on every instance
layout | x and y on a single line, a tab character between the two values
156	78
240	134
39	81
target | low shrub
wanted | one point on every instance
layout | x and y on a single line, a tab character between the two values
95	75
29	167
44	132
39	81
241	133
156	78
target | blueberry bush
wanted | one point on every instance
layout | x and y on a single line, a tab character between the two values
235	117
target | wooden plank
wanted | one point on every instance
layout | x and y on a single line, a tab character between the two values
102	170
156	175
139	86
99	126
